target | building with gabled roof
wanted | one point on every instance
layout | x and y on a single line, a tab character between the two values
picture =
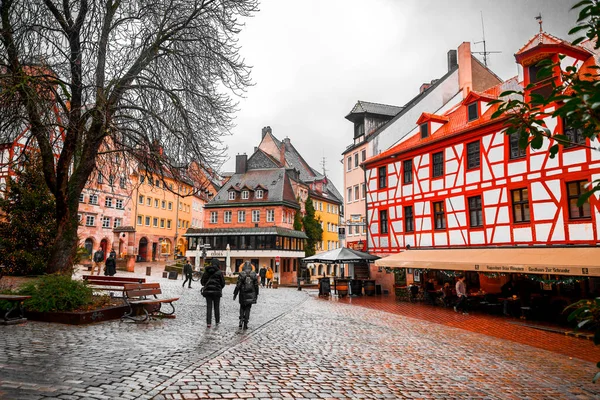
374	133
457	192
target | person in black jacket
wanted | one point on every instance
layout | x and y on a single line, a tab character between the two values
213	283
247	288
188	272
110	266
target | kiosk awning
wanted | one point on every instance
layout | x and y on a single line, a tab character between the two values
576	261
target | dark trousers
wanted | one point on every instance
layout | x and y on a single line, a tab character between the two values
210	303
461	304
188	277
263	280
245	312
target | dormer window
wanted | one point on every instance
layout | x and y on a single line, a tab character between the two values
542	84
245	194
259	194
232	195
359	129
473	111
424	128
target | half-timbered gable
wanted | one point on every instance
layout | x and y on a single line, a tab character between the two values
466	183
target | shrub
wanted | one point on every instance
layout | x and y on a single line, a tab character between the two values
56	293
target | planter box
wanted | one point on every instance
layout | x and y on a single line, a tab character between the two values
78	318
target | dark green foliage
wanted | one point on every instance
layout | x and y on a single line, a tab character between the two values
587	313
56	293
298	221
29	228
312	228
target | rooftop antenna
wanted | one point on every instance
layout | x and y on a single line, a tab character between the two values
484	52
323	164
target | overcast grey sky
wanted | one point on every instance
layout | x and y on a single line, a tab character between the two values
313	59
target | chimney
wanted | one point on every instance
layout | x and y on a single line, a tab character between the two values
452	60
465	74
241	161
282	153
265	130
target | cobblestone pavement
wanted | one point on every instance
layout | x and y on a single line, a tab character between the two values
297	346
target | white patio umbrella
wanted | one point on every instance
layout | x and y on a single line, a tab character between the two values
228	260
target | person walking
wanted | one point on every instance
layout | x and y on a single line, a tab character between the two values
461	292
98	260
213	283
263	275
110	267
269	277
247	288
188	272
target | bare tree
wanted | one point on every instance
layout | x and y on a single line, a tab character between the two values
82	81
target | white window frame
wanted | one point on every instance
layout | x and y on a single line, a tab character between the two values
90	220
81	197
140	220
106	222
227	217
245	195
117	223
270	215
255	216
119	204
259	194
232	195
214	217
94	199
147	221
108	202
241	216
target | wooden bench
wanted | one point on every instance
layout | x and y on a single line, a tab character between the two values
143	297
16	305
114	283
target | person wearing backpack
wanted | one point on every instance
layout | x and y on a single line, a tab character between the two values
98	259
213	283
247	288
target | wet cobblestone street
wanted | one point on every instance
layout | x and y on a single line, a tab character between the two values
298	346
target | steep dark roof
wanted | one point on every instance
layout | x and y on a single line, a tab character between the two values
269	230
362	107
274	180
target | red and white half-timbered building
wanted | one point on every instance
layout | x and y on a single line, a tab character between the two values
459	182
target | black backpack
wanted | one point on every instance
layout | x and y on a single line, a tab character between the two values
247	284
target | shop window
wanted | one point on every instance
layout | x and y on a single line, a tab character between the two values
574	190
382	174
520	205
438	164
473	155
383	221
407	171
439	215
475	211
409	222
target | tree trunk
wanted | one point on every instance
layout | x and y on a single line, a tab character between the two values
65	246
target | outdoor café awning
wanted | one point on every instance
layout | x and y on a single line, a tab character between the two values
576	261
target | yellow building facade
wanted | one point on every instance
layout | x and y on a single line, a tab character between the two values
163	213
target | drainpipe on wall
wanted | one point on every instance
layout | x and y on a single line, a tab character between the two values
366	225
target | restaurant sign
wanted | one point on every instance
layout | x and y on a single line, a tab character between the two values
524	269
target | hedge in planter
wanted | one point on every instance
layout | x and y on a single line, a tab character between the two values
56	293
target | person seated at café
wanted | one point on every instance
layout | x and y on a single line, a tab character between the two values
509	289
430	293
447	294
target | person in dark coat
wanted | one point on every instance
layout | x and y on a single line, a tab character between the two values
188	272
247	288
263	275
110	266
213	283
